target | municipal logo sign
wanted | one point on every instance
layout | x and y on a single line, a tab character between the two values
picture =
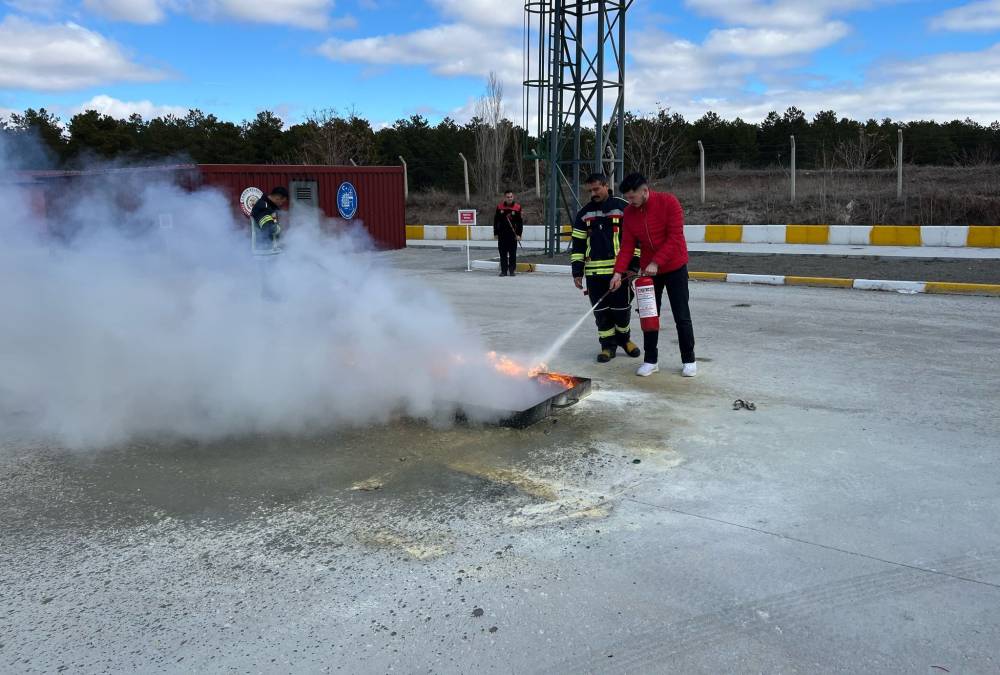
347	200
249	198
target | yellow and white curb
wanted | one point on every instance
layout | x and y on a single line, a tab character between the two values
976	236
477	233
906	287
493	266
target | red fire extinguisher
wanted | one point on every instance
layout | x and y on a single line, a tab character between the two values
645	297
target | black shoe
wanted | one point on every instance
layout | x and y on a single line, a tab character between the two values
605	355
502	274
513	273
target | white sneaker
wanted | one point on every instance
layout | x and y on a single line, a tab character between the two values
647	369
690	370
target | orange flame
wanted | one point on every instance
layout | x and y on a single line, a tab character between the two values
565	381
508	366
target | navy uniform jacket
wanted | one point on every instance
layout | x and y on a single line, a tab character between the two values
265	220
597	237
507	222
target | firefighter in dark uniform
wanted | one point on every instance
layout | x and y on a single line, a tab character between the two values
507	230
596	242
264	215
265	233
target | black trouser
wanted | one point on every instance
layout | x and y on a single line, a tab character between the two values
676	283
614	313
508	254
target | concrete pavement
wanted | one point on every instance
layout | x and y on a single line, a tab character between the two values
849	524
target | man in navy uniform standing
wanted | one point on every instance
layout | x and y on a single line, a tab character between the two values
507	230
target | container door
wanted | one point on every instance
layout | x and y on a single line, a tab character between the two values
305	202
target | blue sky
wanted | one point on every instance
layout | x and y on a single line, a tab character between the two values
907	59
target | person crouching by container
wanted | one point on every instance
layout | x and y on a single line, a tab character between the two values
655	221
507	230
265	235
266	229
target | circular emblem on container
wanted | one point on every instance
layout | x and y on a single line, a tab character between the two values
347	200
250	197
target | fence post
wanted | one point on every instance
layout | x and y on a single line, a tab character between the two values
465	163
538	180
793	169
701	169
899	167
406	180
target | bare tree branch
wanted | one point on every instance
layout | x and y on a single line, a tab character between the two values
493	134
653	142
334	139
860	154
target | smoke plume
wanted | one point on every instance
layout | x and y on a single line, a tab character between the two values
140	313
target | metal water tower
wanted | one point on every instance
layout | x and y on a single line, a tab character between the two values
574	98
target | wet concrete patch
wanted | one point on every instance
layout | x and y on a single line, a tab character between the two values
487	477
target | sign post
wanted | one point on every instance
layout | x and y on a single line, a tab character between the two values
467	217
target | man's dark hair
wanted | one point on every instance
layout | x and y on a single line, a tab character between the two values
596	178
508	192
632	182
280	192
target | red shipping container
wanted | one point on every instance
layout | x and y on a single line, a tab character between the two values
381	207
378	201
24	189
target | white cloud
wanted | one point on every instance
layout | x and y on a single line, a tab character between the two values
975	16
506	13
777	28
113	107
346	22
451	50
663	64
771	42
717	75
134	11
941	87
746	68
782	13
66	56
312	14
45	8
479	37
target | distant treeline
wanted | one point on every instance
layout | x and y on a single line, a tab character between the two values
657	144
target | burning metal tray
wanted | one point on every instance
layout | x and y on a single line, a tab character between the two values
554	392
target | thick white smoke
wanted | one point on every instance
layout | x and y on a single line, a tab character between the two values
125	331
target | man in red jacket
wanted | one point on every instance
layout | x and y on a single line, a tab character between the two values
655	222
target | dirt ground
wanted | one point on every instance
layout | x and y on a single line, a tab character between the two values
854	267
931	196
